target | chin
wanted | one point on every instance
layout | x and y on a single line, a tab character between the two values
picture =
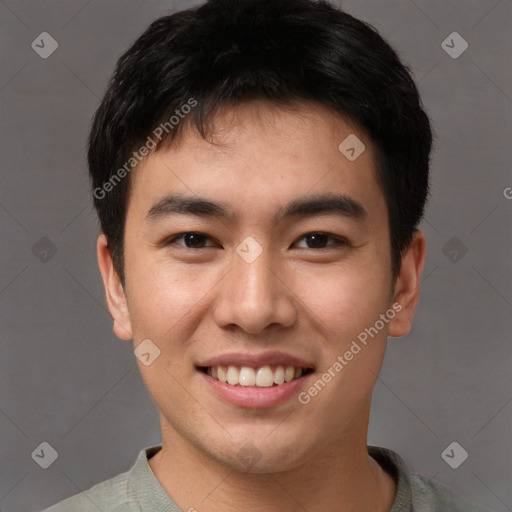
265	455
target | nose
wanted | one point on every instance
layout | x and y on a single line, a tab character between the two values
253	296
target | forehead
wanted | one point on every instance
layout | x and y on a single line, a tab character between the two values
258	153
302	128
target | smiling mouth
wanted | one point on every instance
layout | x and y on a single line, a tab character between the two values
260	377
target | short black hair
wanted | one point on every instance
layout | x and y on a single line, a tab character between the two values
223	52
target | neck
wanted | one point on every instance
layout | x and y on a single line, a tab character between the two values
341	476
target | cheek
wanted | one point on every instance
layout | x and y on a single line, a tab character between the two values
161	296
345	299
164	306
342	306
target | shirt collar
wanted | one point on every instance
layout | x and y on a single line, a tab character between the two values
145	489
393	464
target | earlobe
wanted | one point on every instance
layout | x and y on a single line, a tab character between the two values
407	286
114	291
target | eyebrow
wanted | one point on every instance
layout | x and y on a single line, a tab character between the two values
325	204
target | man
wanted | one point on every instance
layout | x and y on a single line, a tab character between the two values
259	170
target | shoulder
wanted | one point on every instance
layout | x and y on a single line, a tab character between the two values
135	490
416	492
428	495
111	495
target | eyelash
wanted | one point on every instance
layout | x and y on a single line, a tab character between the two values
338	241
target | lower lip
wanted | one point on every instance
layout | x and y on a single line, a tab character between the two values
254	397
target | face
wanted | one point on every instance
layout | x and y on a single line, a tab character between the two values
263	258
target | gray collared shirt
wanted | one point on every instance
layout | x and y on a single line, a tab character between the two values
138	490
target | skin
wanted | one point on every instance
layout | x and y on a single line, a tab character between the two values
195	303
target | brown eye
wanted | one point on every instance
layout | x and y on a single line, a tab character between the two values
320	241
191	240
316	240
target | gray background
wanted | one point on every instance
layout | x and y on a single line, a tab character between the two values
64	377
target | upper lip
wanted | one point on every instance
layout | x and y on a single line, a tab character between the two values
256	360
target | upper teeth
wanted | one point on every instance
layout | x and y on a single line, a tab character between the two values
263	377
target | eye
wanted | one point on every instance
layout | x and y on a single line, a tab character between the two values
191	240
320	241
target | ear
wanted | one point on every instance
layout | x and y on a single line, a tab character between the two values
116	299
407	286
